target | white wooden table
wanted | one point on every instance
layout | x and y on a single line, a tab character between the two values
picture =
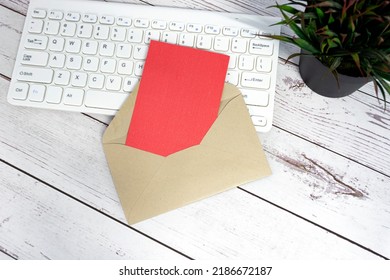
328	197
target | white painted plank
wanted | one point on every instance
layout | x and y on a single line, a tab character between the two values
328	190
37	166
11	25
64	150
235	225
5	257
35	219
355	126
38	222
20	6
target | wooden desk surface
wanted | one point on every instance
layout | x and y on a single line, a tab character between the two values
328	197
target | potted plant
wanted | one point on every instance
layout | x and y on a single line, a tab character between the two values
344	43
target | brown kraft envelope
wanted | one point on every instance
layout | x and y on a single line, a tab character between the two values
148	184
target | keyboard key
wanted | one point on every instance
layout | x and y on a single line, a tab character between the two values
56	15
73	97
129	84
232	61
255	80
194	28
255	97
73	62
73	45
84	30
221	44
139	68
68	29
152	35
123	21
89	18
53	94
212	29
35	26
52	27
255	110
79	79
230	31
232	77
35	58
186	40
249	33
169	37
141	22
109	20
239	45
159	24
125	67
135	35
62	77
91	63
259	120
123	50
39	75
113	83
204	42
89	47
140	52
262	47
108	65
37	42
246	62
107	49
104	100
264	64
57	60
19	91
71	16
39	13
56	44
177	26
118	34
101	32
96	81
36	93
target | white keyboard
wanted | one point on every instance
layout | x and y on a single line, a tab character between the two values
87	56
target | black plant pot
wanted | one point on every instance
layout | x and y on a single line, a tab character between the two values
320	79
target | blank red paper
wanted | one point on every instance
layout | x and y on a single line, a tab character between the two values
178	98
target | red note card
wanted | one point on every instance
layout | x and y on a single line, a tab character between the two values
178	98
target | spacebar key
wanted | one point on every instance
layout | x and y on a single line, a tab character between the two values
104	100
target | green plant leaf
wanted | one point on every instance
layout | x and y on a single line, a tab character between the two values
297	30
356	59
303	44
335	63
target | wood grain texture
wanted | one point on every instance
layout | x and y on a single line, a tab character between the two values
5	257
327	189
54	156
37	222
355	126
329	159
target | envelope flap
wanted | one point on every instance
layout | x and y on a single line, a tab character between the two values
234	128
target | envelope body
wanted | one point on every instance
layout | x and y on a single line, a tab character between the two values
148	184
